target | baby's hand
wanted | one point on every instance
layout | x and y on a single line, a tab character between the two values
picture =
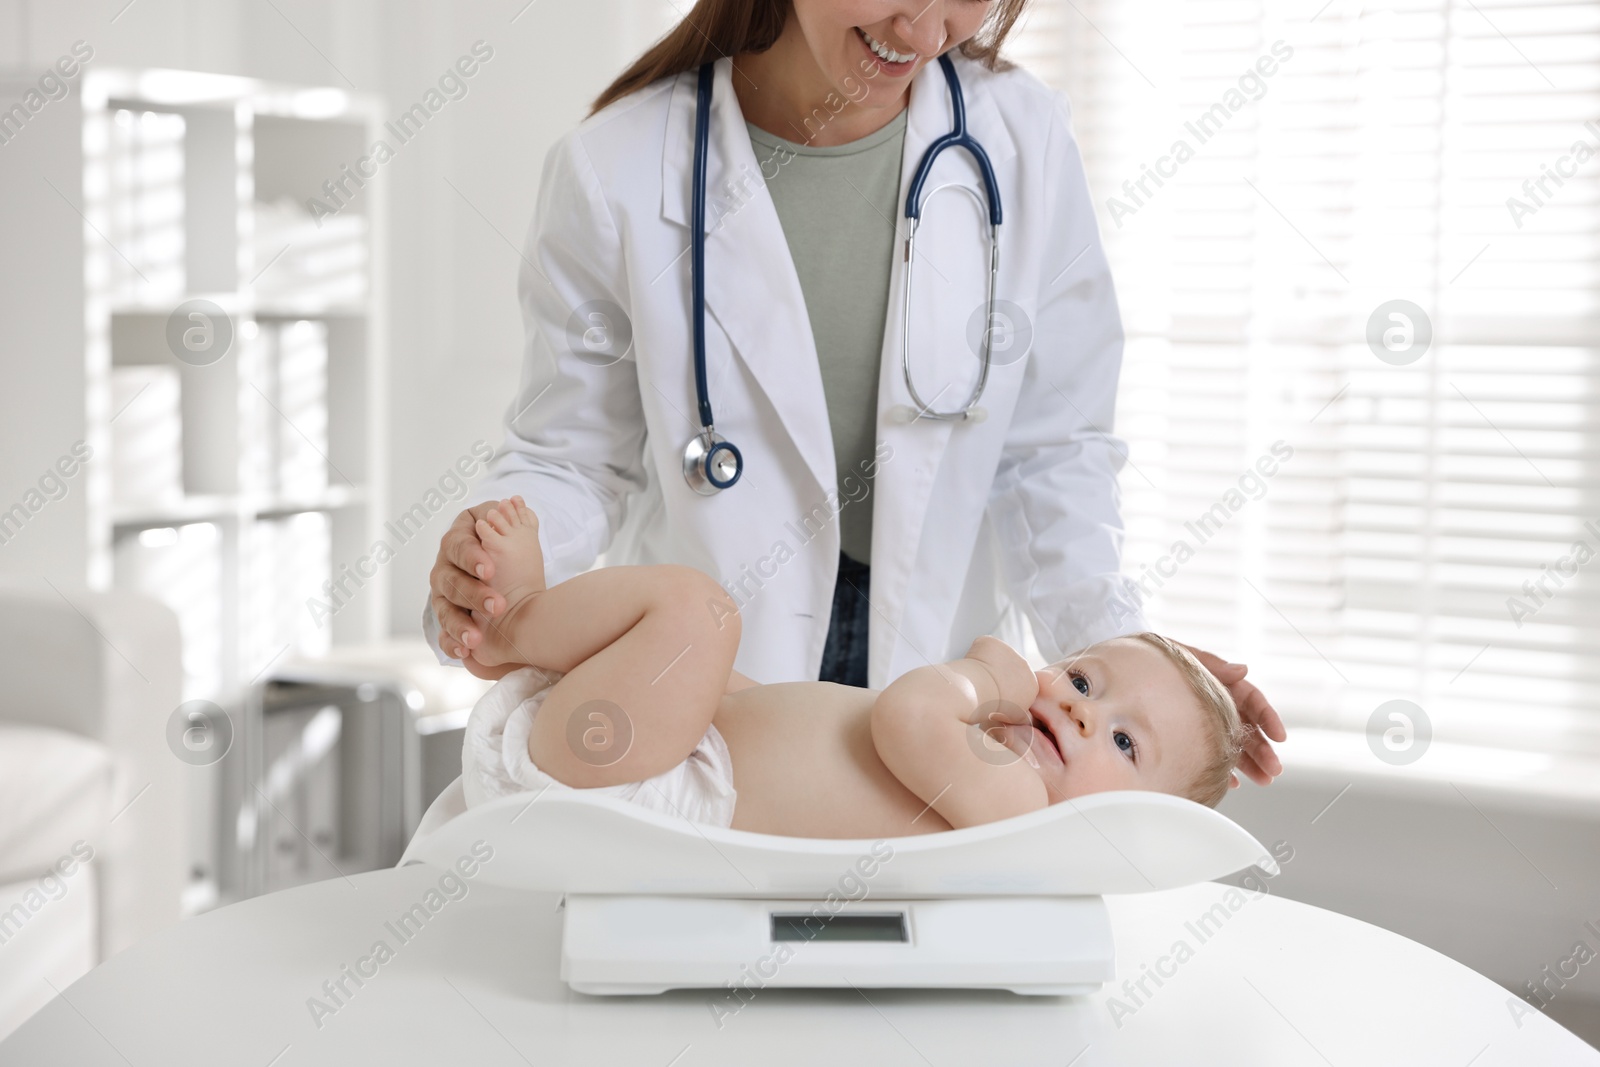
1018	685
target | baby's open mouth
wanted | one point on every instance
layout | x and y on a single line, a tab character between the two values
1041	727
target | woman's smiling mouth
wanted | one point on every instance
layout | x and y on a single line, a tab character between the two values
889	59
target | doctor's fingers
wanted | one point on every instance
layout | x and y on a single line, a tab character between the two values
1258	760
452	623
458	584
455	595
457	568
1255	709
461	546
1251	763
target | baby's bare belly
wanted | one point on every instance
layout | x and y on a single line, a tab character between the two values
804	765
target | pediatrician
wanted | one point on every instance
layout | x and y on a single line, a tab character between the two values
878	455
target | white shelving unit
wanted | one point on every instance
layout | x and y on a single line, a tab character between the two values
229	480
195	188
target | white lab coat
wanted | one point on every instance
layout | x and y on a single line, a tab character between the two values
970	520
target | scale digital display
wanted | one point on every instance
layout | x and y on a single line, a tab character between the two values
858	926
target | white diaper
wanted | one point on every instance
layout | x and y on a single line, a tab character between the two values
495	761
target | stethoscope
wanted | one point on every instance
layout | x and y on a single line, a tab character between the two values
712	463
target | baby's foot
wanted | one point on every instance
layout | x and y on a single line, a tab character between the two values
510	535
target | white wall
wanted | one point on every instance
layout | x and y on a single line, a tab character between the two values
42	375
455	332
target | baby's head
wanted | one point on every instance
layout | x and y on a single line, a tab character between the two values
1136	712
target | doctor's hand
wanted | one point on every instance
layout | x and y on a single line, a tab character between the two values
1258	762
457	583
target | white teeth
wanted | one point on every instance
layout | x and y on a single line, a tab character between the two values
883	51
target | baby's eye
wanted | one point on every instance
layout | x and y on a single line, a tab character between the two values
1130	749
1079	682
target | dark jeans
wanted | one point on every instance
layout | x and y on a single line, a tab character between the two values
844	659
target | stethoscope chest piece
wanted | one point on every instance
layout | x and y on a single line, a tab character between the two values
711	464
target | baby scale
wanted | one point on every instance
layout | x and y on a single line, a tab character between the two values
655	903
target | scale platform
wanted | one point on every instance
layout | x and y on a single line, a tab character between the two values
653	902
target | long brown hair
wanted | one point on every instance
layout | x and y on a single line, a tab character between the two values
716	28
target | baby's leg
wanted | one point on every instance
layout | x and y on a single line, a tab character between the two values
646	658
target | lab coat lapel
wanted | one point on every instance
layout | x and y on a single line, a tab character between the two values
752	289
904	481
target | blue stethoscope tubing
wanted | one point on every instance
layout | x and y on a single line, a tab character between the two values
711	463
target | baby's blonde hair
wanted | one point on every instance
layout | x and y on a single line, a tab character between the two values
1227	732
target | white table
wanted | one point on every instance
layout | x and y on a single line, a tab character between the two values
1275	982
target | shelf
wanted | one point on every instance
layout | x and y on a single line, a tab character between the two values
159	88
195	508
330	499
216	507
246	305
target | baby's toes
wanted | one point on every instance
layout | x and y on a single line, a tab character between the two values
487	533
501	517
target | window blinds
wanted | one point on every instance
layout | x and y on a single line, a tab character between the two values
1433	532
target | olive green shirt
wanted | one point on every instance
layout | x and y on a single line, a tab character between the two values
838	207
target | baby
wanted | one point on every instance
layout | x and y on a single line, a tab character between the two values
630	689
